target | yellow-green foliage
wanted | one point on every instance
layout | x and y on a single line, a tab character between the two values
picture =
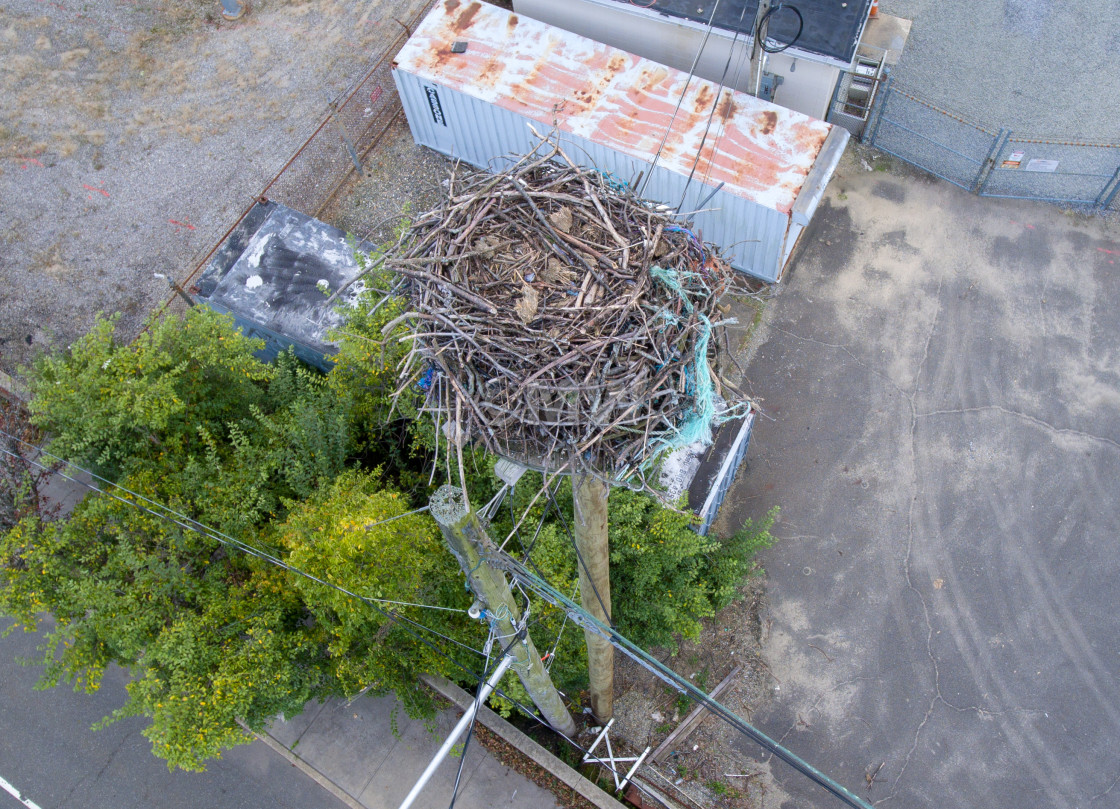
672	577
340	536
209	638
105	403
365	370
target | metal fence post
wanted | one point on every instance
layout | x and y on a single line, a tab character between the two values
1108	193
877	112
989	163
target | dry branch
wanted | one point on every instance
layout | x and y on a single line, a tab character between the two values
566	313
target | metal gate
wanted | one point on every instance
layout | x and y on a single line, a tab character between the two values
993	162
1055	171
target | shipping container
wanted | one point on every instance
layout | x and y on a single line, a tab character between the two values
473	78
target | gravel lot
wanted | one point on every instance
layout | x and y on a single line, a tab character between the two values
401	180
135	132
1039	68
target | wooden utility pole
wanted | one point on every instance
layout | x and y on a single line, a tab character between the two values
589	495
758	38
468	541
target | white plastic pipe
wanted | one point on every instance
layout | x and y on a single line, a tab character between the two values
457	731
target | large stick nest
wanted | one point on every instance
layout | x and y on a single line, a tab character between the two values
557	318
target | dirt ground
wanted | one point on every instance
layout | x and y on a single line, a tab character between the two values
401	180
703	769
134	132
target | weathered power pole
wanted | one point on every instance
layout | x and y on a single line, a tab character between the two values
758	52
468	541
589	497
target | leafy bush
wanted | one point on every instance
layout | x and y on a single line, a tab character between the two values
21	483
671	576
280	457
209	638
341	536
106	404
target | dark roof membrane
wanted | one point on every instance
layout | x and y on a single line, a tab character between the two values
832	27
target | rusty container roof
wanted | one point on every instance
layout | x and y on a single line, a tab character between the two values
760	151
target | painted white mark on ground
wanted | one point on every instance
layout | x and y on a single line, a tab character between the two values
253	281
11	790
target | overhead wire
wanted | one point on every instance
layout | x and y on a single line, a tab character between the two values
525	577
682	684
766	19
190	524
711	115
470	728
680	101
579	558
390	614
743	59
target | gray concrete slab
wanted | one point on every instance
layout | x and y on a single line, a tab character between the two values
945	446
348	742
412	753
288	731
49	753
493	786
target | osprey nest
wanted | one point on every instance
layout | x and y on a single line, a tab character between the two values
560	320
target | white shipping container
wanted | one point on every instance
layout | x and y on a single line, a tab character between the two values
474	77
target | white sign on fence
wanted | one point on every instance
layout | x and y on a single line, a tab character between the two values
1037	164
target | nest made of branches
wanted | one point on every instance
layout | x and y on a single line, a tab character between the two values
559	319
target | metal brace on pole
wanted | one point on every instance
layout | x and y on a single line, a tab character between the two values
611	760
990	162
457	731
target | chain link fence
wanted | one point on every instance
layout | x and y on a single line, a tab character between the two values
337	148
993	162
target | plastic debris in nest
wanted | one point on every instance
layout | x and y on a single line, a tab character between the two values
570	323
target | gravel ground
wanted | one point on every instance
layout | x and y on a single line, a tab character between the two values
134	132
709	767
1039	68
401	180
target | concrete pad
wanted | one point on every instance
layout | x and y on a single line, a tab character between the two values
348	743
399	772
945	445
494	786
289	731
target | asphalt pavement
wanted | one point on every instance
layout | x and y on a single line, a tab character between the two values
364	754
51	756
940	380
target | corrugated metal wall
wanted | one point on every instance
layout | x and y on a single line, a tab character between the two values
751	237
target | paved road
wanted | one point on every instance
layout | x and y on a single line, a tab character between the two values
49	754
941	371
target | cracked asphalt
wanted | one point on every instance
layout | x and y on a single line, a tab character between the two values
942	395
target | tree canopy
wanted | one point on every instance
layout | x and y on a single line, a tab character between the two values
204	451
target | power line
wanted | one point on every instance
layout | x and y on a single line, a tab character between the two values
470	729
653	665
524	577
579	557
190	524
392	615
684	92
715	106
